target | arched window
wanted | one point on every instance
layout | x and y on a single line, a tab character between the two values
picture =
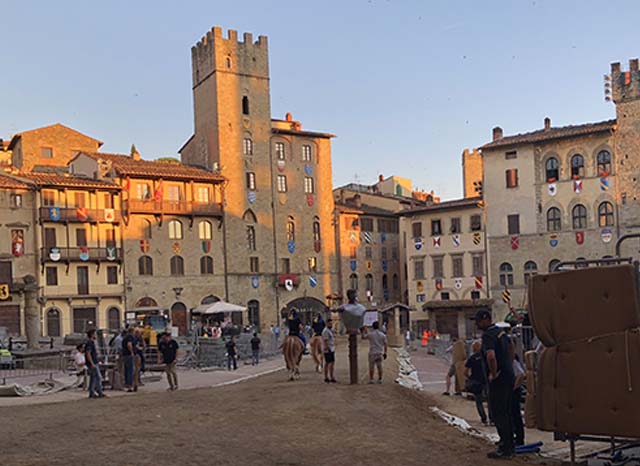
146	302
53	323
506	274
175	229
369	281
291	229
113	319
316	230
251	238
145	227
554	222
353	281
579	216
228	62
210	299
577	166
206	265
204	230
605	214
604	163
530	269
552	170
249	216
552	265
177	265
395	281
253	311
385	282
581	263
145	265
245	105
247	146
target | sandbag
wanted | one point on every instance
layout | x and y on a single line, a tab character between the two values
458	352
530	401
572	305
545	400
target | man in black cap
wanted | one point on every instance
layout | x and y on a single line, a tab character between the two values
495	346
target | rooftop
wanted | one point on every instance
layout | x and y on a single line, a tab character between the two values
560	132
9	182
65	181
467	203
129	166
364	209
17	136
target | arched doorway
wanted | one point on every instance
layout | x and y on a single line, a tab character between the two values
53	323
253	308
179	317
307	307
113	319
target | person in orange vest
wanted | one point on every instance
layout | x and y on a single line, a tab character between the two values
425	338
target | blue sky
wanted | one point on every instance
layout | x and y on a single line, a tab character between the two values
406	85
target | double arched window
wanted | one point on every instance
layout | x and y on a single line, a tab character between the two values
604	163
530	269
369	281
353	281
206	265
175	229
177	265
577	166
145	265
506	274
552	170
204	230
554	222
552	265
605	214
53	322
291	229
579	217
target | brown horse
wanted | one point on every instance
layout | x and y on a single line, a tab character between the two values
292	349
317	353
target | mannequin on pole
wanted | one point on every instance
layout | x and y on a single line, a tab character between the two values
353	319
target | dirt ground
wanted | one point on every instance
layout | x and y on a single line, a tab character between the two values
264	421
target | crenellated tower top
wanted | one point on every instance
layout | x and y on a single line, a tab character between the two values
625	85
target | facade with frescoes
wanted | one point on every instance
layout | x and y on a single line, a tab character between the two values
550	195
446	279
278	213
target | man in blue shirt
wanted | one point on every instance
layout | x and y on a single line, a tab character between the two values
91	357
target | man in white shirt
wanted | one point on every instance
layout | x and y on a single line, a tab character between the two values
377	350
329	350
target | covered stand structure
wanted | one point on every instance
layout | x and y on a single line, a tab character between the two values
396	316
218	311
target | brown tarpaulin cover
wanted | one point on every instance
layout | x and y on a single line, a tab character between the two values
588	379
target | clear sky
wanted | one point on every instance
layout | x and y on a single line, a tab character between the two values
405	85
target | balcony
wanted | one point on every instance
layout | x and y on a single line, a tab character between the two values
73	214
73	291
137	206
78	255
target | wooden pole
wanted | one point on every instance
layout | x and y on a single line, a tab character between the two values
353	357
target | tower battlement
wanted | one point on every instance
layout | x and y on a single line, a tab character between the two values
625	85
214	52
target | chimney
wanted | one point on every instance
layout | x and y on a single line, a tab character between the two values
497	133
380	178
288	117
135	155
547	123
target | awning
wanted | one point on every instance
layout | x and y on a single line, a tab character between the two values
217	307
391	307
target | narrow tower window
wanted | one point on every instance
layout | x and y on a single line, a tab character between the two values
245	105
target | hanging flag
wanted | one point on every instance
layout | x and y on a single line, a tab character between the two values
144	245
417	242
553	240
515	242
255	281
477	238
82	213
369	265
206	246
458	283
54	214
436	242
438	284
606	235
353	236
157	194
419	286
478	282
366	235
317	246
353	264
291	246
552	188
177	248
604	183
109	215
577	186
506	296
288	284
310	200
313	281
579	237
383	237
111	253
84	253
251	196
54	254
280	165
456	240
17	242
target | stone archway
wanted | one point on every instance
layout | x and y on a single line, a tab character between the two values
306	307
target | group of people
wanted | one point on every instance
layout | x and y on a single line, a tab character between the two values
494	371
128	348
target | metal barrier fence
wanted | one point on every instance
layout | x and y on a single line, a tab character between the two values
48	366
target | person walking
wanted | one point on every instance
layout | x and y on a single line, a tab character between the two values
407	339
377	350
168	348
80	363
495	347
231	353
91	356
255	350
516	412
329	351
475	371
138	361
128	354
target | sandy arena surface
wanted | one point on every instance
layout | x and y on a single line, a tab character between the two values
263	421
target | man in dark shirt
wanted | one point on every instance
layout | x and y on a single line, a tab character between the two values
128	354
91	355
168	348
255	350
495	347
231	353
318	325
476	373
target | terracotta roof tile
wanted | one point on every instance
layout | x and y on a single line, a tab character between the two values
11	183
126	165
52	179
560	132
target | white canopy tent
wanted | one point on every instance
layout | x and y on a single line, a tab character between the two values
217	307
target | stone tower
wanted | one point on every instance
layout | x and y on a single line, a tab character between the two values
472	173
626	95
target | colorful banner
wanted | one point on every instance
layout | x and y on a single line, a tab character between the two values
17	242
